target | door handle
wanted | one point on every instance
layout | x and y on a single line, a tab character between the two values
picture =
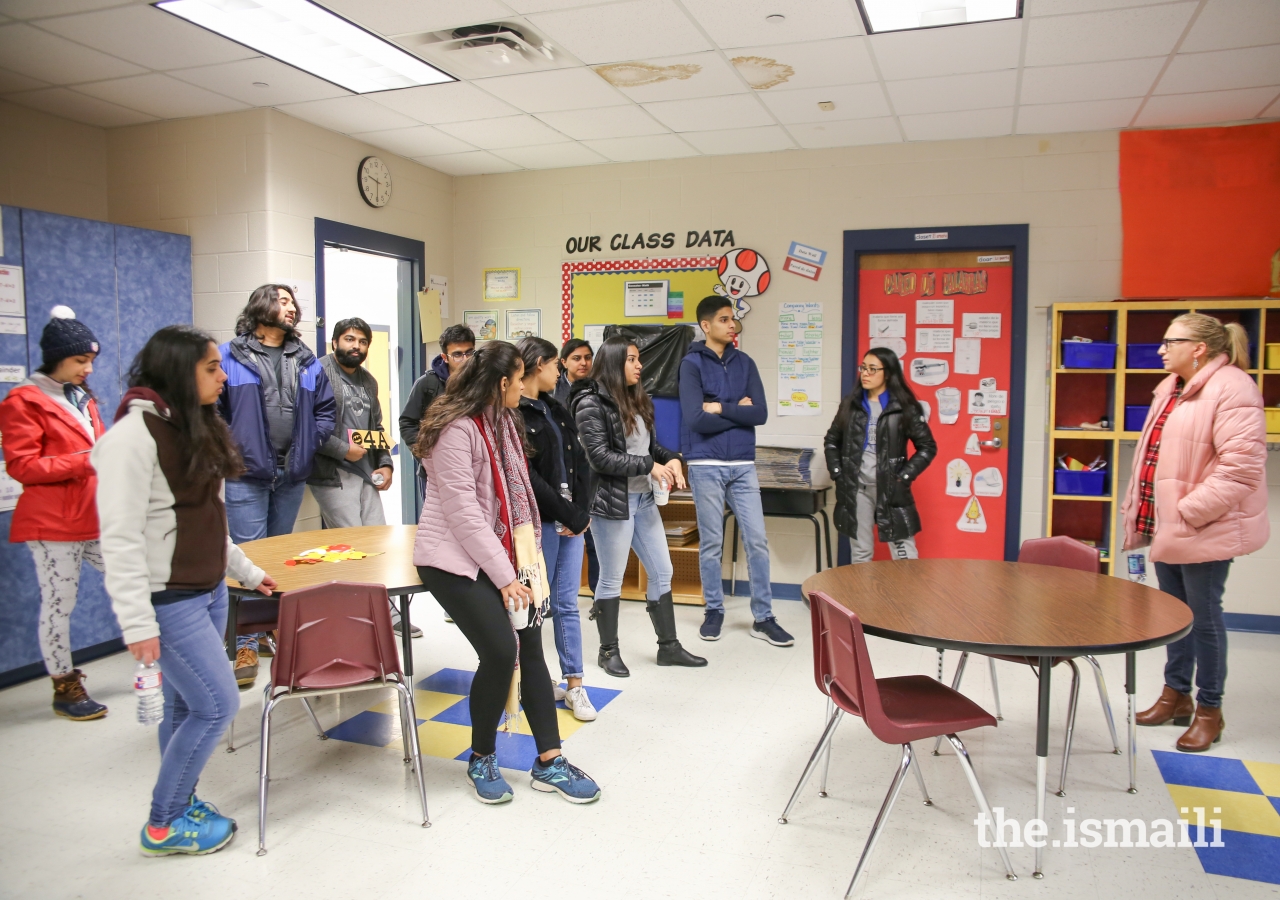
994	443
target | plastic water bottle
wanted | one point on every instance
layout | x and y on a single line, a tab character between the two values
146	686
1138	567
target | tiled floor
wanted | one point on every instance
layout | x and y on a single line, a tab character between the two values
695	765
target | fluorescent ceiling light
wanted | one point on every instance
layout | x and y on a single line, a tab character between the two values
905	15
311	38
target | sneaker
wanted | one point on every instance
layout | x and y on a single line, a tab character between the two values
202	809
246	667
558	691
414	630
190	835
711	623
769	630
484	776
572	783
578	703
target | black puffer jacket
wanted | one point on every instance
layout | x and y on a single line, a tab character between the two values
605	442
544	464
896	515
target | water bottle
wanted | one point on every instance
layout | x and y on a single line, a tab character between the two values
146	686
567	495
1137	567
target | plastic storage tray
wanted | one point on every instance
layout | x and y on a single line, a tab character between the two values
1135	417
1143	356
1097	355
1085	484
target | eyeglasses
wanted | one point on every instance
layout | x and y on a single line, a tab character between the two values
459	355
869	370
1167	341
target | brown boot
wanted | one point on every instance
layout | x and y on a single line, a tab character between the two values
1172	706
1205	730
71	701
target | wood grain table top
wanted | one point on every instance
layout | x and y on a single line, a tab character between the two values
989	606
393	568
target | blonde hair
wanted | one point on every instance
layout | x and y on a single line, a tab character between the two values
1230	339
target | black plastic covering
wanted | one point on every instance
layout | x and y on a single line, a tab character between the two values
662	347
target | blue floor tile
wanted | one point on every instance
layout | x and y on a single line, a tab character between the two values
515	751
448	681
1205	772
458	714
599	696
1252	856
373	728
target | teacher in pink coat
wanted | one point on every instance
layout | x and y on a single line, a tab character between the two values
1198	498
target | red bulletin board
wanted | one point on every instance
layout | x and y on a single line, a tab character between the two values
975	282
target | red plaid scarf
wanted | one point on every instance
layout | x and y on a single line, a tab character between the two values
1147	475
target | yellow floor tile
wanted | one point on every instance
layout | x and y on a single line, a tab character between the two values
567	723
441	739
427	704
1252	813
1267	775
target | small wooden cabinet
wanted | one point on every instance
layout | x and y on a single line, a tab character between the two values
686	580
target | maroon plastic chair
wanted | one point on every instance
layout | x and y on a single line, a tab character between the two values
336	638
1065	553
896	710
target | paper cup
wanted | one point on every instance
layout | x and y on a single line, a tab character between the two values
661	491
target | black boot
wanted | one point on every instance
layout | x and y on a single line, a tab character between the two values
670	653
605	612
72	701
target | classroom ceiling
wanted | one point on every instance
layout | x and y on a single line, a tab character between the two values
657	79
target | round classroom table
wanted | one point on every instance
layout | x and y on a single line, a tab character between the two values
1006	608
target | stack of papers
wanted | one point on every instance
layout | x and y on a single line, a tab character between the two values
681	534
784	466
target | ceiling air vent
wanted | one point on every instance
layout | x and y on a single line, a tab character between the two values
491	48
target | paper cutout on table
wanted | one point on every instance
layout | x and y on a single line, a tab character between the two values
958	477
980	325
968	355
971	446
987	384
935	312
934	340
897	345
948	405
972	518
980	423
929	371
991	403
330	554
887	325
988	483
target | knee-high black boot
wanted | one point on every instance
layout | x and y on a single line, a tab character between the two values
605	612
670	653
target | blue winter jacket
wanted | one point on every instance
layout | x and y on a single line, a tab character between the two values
704	378
241	405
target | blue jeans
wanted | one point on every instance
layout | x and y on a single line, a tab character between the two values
200	697
644	532
1204	650
564	567
712	486
255	511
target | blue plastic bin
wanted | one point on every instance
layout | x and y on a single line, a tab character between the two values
1143	356
1135	417
1087	484
1098	355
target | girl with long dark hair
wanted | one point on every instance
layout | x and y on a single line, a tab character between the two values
167	551
866	449
479	553
615	418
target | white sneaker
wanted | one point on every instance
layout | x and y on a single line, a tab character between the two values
558	691
579	704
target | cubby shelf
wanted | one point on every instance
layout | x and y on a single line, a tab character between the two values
686	579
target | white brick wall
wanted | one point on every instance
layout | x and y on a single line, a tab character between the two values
51	164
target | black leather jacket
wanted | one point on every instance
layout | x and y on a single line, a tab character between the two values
605	442
896	515
544	464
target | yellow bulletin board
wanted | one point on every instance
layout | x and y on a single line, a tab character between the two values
592	290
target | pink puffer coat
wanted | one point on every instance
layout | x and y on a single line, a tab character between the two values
1210	486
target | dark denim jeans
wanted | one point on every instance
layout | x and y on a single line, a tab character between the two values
255	511
1204	650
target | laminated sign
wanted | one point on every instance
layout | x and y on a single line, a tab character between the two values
369	440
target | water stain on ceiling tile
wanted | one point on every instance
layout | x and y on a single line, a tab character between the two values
635	74
761	72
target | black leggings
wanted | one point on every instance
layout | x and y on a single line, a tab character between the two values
477	609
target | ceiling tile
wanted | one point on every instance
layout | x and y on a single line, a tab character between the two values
35	9
654	146
79	108
1092	37
1067	7
675	77
848	133
148	37
38	54
348	115
950	126
1199	109
437	103
817	63
553	156
532	6
1273	110
1234	23
734	111
741	140
535	92
980	47
1090	81
610	122
474	163
1221	70
284	84
1094	115
508	131
855	101
743	23
420	140
12	81
404	16
160	95
637	29
983	90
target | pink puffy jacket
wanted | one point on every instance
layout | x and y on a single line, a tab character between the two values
1210	486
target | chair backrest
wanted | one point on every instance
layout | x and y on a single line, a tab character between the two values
334	635
849	675
821	648
1061	551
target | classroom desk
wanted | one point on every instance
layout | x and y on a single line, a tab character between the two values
791	502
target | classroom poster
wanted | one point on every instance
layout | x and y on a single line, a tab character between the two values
800	359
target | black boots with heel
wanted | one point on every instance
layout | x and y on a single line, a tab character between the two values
670	653
605	612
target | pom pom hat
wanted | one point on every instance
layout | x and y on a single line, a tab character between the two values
65	336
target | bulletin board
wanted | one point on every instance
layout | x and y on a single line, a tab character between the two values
592	290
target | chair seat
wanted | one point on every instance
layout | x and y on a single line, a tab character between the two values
1029	660
338	673
918	707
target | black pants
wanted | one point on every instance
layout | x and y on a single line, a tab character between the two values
593	562
477	609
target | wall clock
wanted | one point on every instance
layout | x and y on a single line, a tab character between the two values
374	180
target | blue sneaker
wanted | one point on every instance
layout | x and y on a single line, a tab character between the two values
484	776
711	622
769	630
202	809
573	784
192	836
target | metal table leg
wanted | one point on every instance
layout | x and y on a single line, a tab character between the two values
826	530
1042	753
1131	688
406	637
817	543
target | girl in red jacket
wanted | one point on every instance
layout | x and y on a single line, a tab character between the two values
49	424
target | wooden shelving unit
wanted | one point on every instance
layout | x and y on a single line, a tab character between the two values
1088	395
686	580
